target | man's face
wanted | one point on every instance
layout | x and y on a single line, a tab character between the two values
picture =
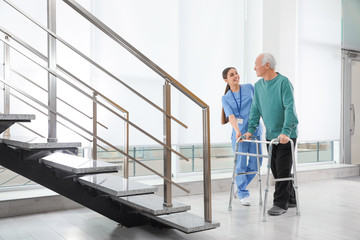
259	68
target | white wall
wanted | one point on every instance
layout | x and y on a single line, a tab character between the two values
305	38
211	39
152	28
279	34
194	41
318	83
253	37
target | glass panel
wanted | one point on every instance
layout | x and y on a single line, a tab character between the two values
315	152
351	25
221	158
307	152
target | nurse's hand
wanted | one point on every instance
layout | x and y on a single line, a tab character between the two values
238	135
283	138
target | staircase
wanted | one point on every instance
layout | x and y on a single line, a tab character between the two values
92	183
55	165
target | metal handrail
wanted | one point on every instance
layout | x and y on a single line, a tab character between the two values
90	133
60	99
43	57
92	62
92	89
62	124
93	99
91	18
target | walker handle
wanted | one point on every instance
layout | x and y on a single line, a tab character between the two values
244	137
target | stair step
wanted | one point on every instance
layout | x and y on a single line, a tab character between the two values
185	222
152	204
115	185
17	117
78	165
35	143
6	120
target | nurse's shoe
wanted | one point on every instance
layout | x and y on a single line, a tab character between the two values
245	201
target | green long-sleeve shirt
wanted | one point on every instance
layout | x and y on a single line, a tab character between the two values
274	102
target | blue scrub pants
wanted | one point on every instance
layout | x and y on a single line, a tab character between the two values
242	166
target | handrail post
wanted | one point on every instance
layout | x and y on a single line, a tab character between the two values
6	87
126	146
167	141
51	18
207	165
94	147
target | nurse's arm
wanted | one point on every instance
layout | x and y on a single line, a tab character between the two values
233	123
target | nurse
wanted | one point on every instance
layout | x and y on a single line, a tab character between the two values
236	104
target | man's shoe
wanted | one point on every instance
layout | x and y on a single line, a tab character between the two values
276	211
245	201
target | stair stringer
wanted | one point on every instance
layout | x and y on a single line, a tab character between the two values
66	184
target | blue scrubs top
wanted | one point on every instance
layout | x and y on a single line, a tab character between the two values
232	107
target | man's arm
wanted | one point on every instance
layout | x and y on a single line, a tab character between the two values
290	118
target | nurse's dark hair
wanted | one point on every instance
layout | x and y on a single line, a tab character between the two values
224	119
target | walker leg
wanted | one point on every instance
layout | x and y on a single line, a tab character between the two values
265	203
266	191
267	183
232	183
295	181
260	193
258	173
297	201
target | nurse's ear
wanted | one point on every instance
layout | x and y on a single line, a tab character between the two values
225	79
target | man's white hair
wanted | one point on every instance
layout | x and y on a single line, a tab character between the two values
269	58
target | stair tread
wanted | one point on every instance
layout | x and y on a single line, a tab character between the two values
32	143
185	222
17	117
78	165
7	120
153	204
116	185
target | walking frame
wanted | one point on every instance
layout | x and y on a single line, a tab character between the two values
271	143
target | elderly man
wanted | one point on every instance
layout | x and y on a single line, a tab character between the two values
274	102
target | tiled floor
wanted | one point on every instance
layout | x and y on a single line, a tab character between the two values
330	209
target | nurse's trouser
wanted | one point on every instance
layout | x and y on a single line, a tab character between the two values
242	166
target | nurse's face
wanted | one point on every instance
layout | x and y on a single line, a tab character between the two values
233	77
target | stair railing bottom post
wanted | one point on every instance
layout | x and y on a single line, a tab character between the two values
167	141
6	87
94	147
51	8
207	165
126	146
